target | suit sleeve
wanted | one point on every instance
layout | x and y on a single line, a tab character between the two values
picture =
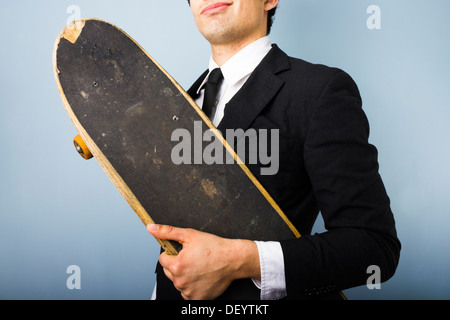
343	169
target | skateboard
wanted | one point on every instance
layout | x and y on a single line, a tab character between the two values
125	107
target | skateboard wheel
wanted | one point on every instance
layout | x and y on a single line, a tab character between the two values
82	148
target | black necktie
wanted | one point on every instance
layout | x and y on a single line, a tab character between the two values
211	88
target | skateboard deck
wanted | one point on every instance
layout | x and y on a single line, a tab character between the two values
125	107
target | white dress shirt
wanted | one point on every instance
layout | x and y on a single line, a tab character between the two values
236	72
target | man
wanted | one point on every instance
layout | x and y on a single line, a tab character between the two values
326	164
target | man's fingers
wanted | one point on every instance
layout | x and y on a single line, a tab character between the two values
168	274
185	297
164	232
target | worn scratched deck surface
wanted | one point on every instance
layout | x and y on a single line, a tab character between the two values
126	107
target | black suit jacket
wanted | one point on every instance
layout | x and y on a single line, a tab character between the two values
327	165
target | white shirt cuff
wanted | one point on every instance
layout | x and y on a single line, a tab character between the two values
273	281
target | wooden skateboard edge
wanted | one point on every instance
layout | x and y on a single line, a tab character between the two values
71	33
107	167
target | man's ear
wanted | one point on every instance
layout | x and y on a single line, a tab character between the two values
270	4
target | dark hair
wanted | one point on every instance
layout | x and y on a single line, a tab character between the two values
270	17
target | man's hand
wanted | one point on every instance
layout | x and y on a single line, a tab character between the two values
208	264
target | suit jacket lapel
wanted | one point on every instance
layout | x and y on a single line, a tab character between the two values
256	93
194	88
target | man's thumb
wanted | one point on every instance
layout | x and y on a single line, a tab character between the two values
164	232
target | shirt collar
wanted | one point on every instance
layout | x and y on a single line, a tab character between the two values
242	63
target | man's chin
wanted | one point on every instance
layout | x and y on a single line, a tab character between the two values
217	34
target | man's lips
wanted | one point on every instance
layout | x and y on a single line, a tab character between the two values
215	8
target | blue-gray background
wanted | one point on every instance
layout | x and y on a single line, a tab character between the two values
58	210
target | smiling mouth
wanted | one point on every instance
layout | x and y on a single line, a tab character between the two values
215	8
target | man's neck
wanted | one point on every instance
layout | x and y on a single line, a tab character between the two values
221	53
